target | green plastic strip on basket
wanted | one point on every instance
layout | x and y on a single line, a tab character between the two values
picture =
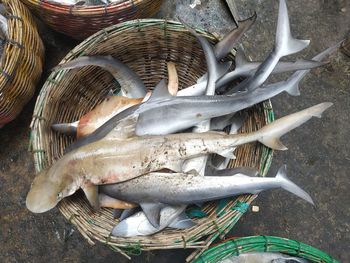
238	246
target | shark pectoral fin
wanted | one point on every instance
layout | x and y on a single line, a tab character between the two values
273	143
91	193
182	222
152	212
227	153
128	212
293	89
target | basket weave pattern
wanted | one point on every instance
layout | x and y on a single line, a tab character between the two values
145	46
21	62
80	22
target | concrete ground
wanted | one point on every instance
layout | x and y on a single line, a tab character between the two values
318	157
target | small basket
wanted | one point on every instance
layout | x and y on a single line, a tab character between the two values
21	61
80	22
237	246
145	46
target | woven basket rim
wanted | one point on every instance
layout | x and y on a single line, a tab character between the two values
167	26
262	243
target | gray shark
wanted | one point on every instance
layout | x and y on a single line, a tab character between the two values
179	189
131	84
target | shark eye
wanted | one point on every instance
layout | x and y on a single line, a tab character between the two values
59	195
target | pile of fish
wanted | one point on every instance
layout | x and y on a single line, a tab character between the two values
86	2
155	154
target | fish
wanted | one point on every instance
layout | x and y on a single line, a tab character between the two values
182	188
110	160
297	76
131	84
112	103
215	69
188	111
184	111
224	46
146	122
138	224
213	74
285	45
263	257
110	107
245	68
291	86
222	49
94	119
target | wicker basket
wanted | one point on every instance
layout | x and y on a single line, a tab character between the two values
237	246
21	62
145	46
80	22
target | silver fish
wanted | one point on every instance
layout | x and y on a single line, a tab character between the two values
291	85
285	45
176	189
131	84
214	72
263	257
188	111
111	160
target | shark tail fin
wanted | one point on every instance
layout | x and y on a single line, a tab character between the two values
285	43
291	187
270	134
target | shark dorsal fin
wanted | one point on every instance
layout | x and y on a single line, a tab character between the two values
160	91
